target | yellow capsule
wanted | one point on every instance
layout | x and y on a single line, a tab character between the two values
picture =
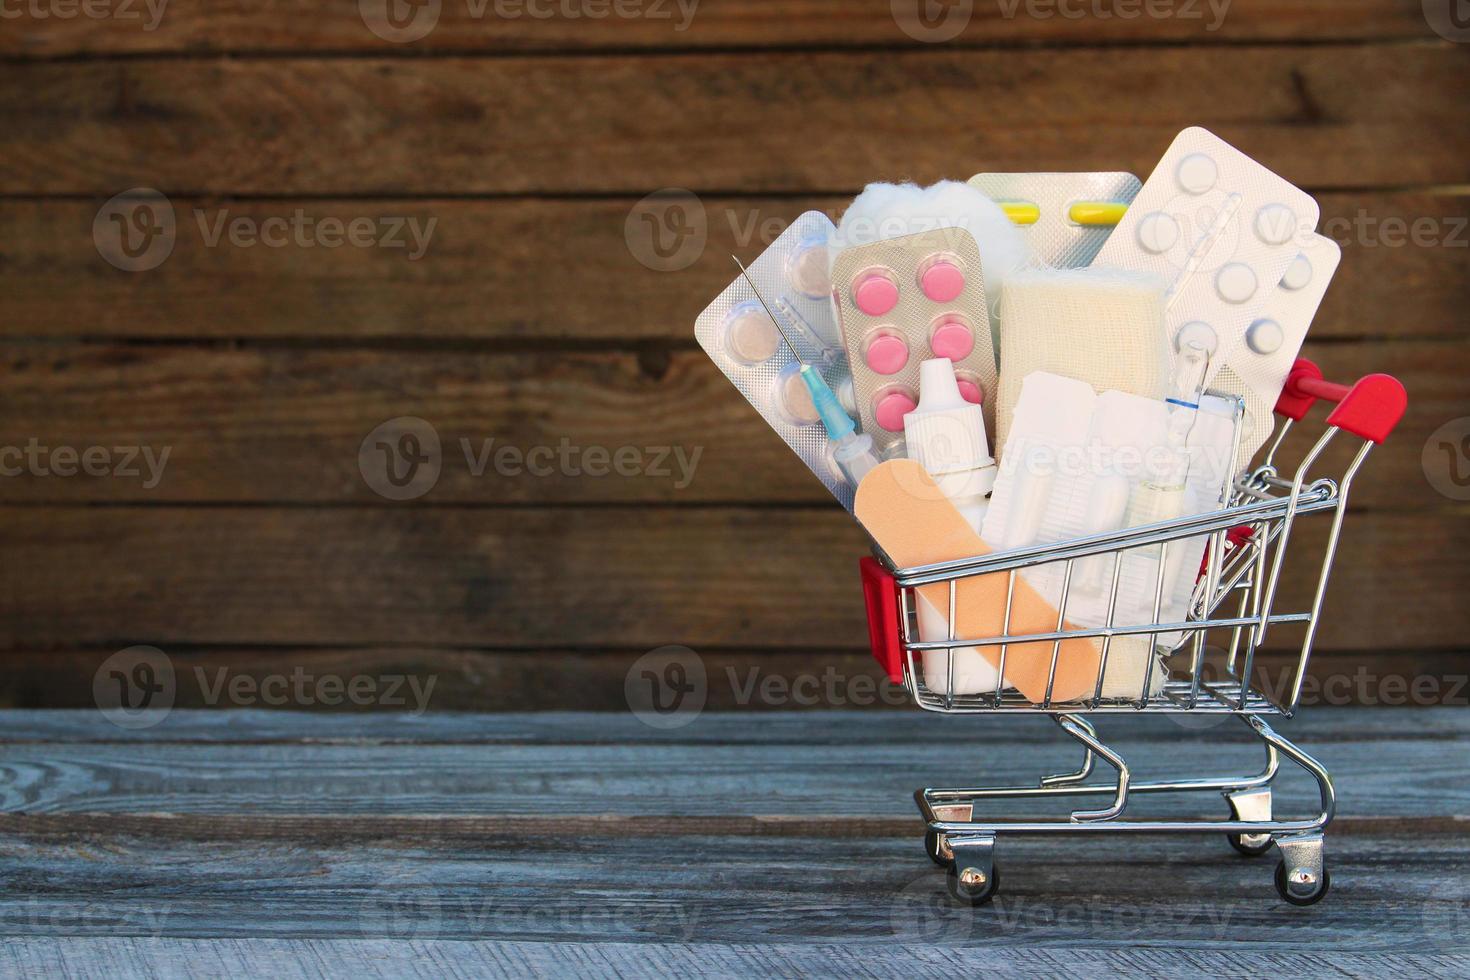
1021	212
1096	212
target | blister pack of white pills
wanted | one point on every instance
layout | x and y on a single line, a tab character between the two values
1257	372
745	344
902	301
1221	230
1064	217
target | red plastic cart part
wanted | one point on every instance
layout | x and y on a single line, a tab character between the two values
880	595
1236	536
1369	409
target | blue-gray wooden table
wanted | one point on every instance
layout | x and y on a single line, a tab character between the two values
238	843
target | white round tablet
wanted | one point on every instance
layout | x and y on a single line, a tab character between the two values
1235	282
1197	173
1298	274
1157	232
1275	224
807	268
1197	332
1265	337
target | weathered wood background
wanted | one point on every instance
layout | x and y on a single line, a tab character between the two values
530	320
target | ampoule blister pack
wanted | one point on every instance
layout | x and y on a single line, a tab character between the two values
1071	466
745	344
1221	230
1257	373
902	301
1064	217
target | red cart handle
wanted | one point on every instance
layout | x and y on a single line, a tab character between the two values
1369	409
880	594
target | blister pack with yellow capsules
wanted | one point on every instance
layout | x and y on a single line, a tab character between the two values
1064	217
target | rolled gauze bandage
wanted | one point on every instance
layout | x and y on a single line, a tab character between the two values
1098	325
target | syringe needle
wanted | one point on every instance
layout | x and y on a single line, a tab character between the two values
854	450
769	312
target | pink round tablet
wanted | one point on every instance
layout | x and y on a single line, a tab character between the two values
891	409
887	354
875	294
970	392
942	281
952	340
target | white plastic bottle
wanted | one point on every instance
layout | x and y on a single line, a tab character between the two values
946	435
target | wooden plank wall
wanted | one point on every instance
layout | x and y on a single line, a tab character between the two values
528	141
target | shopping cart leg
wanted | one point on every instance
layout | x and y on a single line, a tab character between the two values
935	843
1062	779
1250	804
1083	732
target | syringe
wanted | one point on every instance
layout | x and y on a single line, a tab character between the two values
853	450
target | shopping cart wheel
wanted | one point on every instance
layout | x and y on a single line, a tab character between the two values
1251	845
1300	886
932	847
973	886
972	879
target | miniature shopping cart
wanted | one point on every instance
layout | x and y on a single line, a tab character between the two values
1233	609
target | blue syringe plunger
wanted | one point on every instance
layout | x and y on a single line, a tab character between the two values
838	423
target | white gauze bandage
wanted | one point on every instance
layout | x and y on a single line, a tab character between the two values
1098	325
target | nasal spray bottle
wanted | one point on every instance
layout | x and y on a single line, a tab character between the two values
946	435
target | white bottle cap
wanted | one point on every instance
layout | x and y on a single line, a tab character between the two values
946	434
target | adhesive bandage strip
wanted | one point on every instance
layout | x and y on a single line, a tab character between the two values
904	511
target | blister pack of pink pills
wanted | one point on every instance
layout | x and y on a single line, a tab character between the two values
900	302
745	344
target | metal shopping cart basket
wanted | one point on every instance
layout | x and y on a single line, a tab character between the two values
1234	601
